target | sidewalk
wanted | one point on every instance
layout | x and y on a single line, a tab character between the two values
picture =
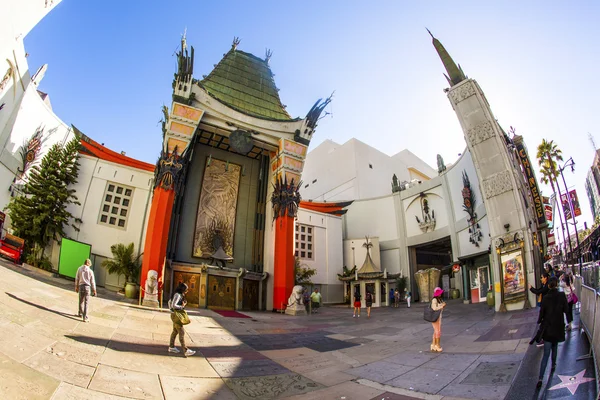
47	353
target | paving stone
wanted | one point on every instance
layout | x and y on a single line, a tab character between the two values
288	353
61	369
242	368
457	362
379	371
491	392
19	382
75	354
411	359
505	346
166	363
182	388
70	392
19	343
329	376
493	373
122	382
393	396
425	380
346	390
274	386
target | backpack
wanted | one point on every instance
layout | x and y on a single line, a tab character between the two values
369	298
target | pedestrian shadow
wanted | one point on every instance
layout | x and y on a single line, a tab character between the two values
62	314
125	346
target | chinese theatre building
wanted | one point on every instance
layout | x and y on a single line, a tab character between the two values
226	187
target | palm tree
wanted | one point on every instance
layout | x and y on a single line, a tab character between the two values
548	156
123	262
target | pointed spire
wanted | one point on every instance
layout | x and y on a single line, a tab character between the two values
268	54
236	42
455	73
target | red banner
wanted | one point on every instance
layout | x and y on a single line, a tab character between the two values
574	203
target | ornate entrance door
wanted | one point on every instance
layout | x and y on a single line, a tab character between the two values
221	292
250	299
193	294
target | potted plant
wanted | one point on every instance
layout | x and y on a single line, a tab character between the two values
124	263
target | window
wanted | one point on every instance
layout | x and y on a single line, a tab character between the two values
115	207
304	241
371	166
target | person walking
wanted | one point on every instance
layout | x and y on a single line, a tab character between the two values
391	297
407	297
437	303
315	299
357	298
369	303
176	304
306	300
552	323
540	293
396	298
85	283
566	284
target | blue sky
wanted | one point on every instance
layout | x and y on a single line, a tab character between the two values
111	65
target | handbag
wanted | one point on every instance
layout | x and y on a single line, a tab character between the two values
429	314
182	316
572	297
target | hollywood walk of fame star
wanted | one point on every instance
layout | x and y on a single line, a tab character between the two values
571	382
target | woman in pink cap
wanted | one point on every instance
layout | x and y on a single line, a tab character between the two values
437	304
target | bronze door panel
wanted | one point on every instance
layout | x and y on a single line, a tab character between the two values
250	295
221	292
193	282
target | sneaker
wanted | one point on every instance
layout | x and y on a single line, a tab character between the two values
86	319
189	353
539	384
540	344
358	315
173	350
353	316
79	315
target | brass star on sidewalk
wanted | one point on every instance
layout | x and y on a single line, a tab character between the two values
571	382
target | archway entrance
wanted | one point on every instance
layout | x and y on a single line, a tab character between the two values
436	254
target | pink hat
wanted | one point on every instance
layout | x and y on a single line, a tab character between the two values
437	292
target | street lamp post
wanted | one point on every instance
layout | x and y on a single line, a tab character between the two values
571	163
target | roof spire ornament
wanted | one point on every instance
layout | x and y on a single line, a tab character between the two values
183	39
268	54
236	42
455	73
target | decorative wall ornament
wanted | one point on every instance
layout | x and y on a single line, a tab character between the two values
215	221
497	184
168	171
440	163
427	224
30	150
395	184
469	201
304	134
241	141
6	77
461	93
285	198
480	133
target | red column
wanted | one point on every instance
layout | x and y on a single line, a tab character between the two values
157	234
283	271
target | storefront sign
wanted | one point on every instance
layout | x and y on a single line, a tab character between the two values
513	277
547	209
532	183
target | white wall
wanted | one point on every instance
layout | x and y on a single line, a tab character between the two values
374	217
93	177
360	252
327	247
355	171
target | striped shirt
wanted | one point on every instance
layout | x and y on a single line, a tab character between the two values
85	276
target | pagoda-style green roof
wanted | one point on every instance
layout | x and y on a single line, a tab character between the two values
245	83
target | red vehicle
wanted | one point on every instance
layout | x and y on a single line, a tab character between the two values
11	247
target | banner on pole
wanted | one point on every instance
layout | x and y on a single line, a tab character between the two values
574	202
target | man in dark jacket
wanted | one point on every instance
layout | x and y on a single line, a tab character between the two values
540	293
552	322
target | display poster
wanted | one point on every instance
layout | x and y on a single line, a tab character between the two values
512	272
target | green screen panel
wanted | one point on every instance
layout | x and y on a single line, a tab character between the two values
72	256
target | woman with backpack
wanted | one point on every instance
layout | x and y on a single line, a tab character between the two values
552	325
179	318
437	304
369	303
566	284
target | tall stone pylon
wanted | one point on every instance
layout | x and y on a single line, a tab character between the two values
508	216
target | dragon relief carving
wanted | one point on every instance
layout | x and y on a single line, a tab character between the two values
480	133
462	92
497	184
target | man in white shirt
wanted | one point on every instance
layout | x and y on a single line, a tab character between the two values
84	284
